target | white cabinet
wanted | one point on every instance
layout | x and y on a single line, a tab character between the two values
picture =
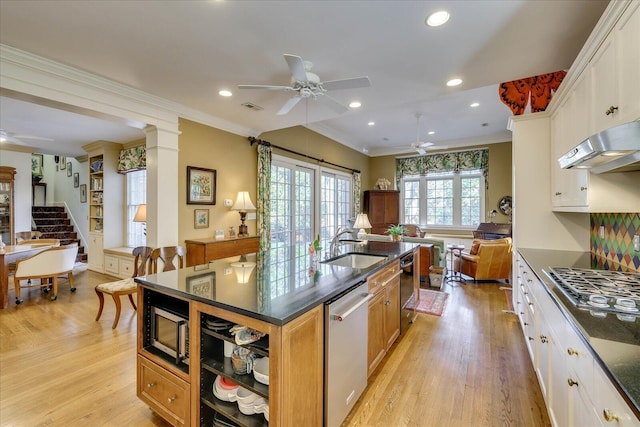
614	69
575	388
119	262
95	257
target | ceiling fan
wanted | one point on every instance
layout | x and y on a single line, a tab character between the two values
308	85
420	146
17	138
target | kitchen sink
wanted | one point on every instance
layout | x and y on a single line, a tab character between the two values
355	260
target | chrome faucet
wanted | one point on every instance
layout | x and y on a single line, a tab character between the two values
333	247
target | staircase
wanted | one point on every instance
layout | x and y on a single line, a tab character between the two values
53	223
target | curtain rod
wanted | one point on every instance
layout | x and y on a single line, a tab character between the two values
253	140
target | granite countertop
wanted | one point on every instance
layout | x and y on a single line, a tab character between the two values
277	286
615	343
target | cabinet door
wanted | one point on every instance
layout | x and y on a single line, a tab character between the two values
111	264
604	87
376	344
610	407
95	257
627	40
558	386
391	312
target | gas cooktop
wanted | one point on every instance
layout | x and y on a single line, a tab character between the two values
600	291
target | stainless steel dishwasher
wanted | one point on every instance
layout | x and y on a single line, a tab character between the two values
346	326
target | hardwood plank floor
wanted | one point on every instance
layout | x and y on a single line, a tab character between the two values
59	367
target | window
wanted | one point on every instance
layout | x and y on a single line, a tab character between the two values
445	199
303	206
136	195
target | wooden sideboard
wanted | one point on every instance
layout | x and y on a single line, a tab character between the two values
202	251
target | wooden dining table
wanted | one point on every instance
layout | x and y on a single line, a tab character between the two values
10	254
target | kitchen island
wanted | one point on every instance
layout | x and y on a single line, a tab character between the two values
280	293
597	363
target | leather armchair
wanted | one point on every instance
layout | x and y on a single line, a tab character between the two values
486	260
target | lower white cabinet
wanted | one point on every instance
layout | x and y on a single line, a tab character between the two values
575	388
95	257
119	262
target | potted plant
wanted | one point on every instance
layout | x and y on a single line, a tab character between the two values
396	232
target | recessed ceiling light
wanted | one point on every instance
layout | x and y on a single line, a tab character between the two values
355	104
454	82
371	123
438	18
431	132
225	92
474	105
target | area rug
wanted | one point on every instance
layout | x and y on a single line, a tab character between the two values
431	302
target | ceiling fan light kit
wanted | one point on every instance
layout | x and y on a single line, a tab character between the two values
308	85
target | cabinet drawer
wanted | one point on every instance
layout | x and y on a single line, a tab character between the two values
165	393
111	264
609	405
578	357
383	277
125	267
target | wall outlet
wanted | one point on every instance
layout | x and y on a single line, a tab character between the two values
251	215
602	231
228	203
227	271
636	242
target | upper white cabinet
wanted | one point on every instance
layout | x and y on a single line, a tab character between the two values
614	71
606	93
570	123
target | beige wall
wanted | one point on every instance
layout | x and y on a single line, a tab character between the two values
303	140
235	162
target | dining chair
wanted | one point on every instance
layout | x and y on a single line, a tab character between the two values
48	264
27	235
126	286
168	255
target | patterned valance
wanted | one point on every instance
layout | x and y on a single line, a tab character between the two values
132	159
444	162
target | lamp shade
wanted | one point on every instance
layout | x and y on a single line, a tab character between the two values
243	202
141	214
243	270
362	221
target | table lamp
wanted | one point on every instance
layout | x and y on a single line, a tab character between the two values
243	269
243	204
362	222
141	216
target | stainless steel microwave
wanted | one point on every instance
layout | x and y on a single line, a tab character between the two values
170	333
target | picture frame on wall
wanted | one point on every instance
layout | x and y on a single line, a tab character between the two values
83	193
69	172
201	218
201	186
76	180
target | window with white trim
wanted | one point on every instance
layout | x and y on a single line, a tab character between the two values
444	199
136	196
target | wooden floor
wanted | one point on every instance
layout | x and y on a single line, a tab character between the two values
59	367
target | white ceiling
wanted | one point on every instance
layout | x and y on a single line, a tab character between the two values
185	51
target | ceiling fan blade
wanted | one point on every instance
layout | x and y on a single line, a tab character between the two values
296	65
353	83
267	87
333	104
35	138
289	105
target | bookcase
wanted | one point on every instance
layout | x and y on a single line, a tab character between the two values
106	201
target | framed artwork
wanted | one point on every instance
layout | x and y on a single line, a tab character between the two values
202	285
201	218
76	180
36	164
83	193
201	186
69	173
63	163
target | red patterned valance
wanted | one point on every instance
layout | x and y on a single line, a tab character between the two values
540	89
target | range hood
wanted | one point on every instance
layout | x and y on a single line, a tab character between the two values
614	150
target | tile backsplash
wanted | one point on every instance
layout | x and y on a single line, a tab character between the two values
615	250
